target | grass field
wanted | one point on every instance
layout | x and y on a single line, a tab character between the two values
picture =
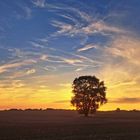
68	125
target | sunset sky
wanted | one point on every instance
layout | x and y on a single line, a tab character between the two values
46	44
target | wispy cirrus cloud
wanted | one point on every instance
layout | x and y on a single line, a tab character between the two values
72	61
79	69
39	3
126	48
87	47
91	27
102	27
64	57
50	68
125	100
64	28
79	20
37	45
6	67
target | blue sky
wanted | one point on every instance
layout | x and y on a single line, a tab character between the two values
47	43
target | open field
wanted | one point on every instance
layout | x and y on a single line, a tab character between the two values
68	125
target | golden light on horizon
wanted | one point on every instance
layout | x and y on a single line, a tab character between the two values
59	97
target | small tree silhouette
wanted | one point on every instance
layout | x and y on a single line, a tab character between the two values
89	94
118	109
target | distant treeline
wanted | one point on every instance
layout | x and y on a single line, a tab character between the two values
53	109
29	109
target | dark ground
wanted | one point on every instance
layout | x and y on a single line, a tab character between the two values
68	125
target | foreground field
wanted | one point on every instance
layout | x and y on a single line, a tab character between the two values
68	125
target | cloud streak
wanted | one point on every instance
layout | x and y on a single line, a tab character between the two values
92	27
126	48
87	47
39	3
126	100
102	27
6	67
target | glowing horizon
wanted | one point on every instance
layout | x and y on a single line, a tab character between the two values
45	45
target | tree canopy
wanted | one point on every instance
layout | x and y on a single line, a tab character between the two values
89	93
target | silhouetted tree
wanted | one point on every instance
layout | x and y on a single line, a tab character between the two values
118	109
89	94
